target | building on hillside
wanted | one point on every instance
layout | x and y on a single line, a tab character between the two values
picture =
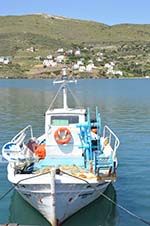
99	59
82	68
77	52
5	59
69	52
49	57
60	59
49	63
75	67
99	54
31	49
60	50
90	67
80	62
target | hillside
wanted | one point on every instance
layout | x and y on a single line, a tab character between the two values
48	33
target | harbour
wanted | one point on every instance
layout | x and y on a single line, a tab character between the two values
126	111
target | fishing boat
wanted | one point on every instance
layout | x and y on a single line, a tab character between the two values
67	167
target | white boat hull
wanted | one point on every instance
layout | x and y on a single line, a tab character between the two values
71	195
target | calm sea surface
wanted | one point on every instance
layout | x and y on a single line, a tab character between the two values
124	106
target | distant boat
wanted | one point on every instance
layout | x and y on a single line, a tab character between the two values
67	167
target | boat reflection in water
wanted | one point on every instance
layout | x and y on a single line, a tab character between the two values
100	212
21	212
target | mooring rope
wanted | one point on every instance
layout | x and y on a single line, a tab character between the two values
109	199
13	186
78	178
126	210
105	196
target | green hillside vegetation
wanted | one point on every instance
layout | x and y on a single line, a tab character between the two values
127	45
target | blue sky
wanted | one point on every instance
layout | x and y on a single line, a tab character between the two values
105	11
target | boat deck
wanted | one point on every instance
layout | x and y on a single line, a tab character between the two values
78	172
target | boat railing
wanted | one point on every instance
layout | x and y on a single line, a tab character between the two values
19	138
112	138
107	159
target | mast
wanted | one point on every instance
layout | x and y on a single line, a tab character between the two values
65	103
64	82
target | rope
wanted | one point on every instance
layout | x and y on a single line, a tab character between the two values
105	196
75	98
126	210
55	96
79	179
7	192
109	199
13	186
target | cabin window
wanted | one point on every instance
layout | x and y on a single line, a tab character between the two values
64	120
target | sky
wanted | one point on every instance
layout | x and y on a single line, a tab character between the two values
105	11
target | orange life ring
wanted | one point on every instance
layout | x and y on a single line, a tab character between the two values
62	135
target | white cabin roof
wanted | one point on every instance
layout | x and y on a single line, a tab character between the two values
65	111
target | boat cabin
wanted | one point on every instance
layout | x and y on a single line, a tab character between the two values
63	135
63	117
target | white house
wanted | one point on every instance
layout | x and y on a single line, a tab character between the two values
82	68
46	63
49	63
80	62
98	59
85	48
109	66
61	50
75	67
31	49
90	67
110	71
113	72
119	73
77	52
99	54
112	63
69	52
49	57
60	58
5	60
